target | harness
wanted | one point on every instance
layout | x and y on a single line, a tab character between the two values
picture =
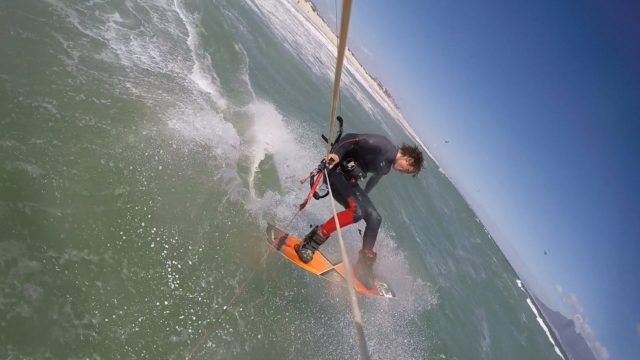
317	182
352	171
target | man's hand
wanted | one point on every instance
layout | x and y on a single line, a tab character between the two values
332	160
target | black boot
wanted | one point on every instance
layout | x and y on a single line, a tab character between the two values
310	244
364	268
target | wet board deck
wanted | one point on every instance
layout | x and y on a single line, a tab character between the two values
321	266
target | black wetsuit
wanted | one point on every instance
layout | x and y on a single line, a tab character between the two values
372	155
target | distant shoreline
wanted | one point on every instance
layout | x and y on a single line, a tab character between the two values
307	9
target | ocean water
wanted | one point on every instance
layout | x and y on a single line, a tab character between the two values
144	146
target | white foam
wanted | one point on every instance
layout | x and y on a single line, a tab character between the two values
144	37
540	320
268	135
544	327
385	319
209	128
115	17
202	72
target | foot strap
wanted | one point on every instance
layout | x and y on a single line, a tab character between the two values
313	240
281	241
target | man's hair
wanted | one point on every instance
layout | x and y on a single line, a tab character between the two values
415	154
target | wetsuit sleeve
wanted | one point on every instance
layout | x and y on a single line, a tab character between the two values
348	142
373	181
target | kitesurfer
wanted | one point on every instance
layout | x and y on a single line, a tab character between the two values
351	160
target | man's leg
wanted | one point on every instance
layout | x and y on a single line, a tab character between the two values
366	258
345	217
345	194
357	206
372	218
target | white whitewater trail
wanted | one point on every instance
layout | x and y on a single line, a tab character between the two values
540	320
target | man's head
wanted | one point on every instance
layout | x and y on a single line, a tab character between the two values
409	160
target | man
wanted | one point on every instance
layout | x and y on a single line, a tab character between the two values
350	160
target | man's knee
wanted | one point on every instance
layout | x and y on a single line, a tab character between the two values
357	212
354	207
373	218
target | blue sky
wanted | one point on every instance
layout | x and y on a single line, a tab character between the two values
540	104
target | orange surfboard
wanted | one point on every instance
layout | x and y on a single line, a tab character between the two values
321	266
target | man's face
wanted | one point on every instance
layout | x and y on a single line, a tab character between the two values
403	164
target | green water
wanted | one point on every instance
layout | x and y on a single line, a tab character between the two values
143	148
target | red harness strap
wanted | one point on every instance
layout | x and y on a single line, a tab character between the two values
317	182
